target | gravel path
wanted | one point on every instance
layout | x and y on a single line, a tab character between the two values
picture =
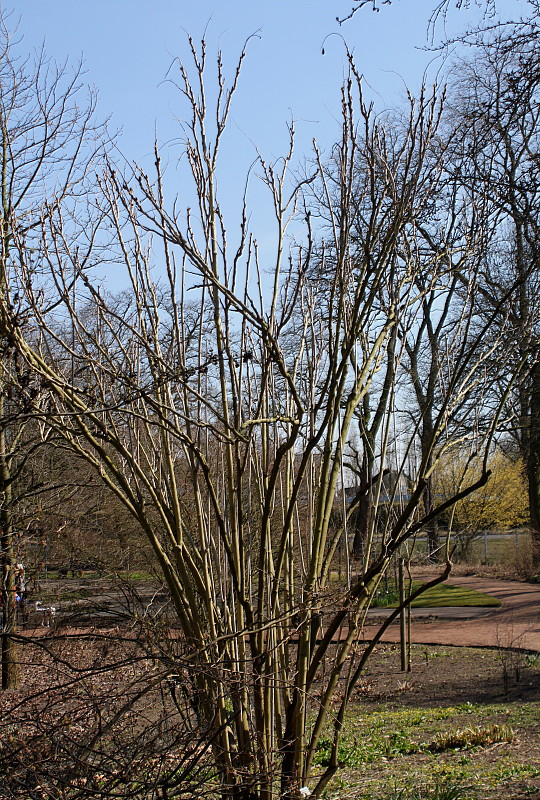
515	623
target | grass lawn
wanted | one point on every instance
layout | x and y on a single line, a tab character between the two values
390	753
447	730
442	595
447	595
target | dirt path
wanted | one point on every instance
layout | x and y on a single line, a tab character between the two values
515	623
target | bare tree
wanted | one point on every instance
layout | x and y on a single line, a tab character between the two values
43	159
489	11
216	398
496	100
452	235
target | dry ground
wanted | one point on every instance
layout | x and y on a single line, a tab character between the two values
390	728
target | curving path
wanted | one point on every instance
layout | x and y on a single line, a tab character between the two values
515	623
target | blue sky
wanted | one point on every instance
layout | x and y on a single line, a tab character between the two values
128	46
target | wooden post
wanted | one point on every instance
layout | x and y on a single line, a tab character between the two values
408	638
402	622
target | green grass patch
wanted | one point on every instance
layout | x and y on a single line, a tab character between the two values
455	596
431	753
438	791
442	595
388	734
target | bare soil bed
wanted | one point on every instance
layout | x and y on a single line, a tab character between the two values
463	717
389	734
449	675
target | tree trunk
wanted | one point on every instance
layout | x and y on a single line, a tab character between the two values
432	526
362	519
533	462
10	666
